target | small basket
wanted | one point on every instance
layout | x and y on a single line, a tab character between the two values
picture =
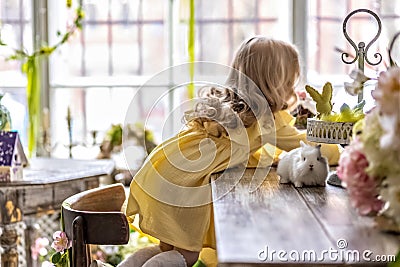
329	132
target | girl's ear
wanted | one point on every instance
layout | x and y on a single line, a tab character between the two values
302	144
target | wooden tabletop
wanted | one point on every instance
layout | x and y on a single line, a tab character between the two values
279	225
46	183
44	171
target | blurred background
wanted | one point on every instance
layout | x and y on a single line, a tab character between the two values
123	43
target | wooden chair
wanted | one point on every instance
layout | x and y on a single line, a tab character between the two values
94	217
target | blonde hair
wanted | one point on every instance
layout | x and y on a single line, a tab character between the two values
263	69
273	66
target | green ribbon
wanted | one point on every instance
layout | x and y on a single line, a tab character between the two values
31	69
191	44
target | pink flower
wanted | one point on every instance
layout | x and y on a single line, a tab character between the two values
361	187
39	247
387	92
60	242
302	95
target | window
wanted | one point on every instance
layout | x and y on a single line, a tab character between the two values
16	32
326	41
124	42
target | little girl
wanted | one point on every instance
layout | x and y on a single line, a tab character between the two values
228	127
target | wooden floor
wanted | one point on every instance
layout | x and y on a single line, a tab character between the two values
279	225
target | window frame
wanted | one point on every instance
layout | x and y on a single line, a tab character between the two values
298	24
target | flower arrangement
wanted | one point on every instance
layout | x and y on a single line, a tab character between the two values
329	126
369	166
56	253
39	248
324	103
60	244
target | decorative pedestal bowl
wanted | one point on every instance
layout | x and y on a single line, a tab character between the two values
331	133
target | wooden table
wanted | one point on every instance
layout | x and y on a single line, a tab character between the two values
279	225
47	182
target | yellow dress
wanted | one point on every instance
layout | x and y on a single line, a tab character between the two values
288	137
171	193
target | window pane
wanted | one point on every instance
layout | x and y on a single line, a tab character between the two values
131	38
211	9
209	35
390	14
326	18
154	49
96	51
97	10
119	38
245	9
326	42
222	25
125	52
269	29
244	30
15	27
15	30
270	8
63	99
333	9
15	101
153	9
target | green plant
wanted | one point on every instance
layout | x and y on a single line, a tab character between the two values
61	244
31	68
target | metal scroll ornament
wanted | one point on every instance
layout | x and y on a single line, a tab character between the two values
362	49
395	37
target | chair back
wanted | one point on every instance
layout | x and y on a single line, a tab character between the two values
94	217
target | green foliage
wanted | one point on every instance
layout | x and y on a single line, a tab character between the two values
115	254
396	263
199	263
69	3
324	106
346	114
5	118
30	66
60	259
55	258
114	135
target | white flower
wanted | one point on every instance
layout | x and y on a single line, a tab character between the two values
357	85
358	76
387	92
390	192
47	264
353	88
391	127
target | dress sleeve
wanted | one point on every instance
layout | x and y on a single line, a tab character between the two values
288	137
261	158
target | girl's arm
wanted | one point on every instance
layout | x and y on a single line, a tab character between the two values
288	137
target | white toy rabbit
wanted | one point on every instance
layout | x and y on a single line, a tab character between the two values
303	166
